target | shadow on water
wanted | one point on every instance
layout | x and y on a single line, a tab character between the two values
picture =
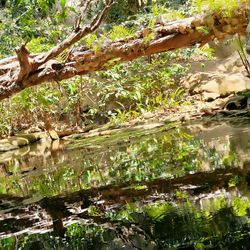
164	188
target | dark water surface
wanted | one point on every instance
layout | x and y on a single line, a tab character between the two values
161	188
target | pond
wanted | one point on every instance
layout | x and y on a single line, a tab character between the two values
160	187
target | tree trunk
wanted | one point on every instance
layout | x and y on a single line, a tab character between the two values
25	70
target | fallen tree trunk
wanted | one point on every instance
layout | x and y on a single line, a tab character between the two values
25	70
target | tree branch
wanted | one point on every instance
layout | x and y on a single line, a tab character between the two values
164	37
76	36
24	61
85	7
27	65
82	14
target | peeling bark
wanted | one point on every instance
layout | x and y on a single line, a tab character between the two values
25	70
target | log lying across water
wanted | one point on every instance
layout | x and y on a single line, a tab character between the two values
44	67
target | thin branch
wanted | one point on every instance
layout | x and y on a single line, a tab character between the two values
99	18
85	7
27	65
80	17
24	61
243	57
76	36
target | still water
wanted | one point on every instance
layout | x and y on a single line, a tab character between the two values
167	187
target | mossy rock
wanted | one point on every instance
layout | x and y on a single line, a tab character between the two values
20	140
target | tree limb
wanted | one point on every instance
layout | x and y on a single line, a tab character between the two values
27	65
164	37
76	36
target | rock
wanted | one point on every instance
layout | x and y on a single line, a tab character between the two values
14	153
232	62
191	81
222	68
236	103
148	115
212	86
206	96
218	78
219	85
223	49
234	83
20	140
6	145
33	136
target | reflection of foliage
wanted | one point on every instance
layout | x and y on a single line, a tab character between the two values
173	224
126	157
161	225
230	159
157	157
233	181
241	207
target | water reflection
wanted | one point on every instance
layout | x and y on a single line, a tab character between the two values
163	225
158	189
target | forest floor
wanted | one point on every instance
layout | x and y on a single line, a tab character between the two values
216	89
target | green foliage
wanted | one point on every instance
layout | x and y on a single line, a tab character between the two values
30	106
39	7
234	181
120	31
133	89
225	6
245	93
241	206
230	159
35	21
203	29
124	10
206	51
148	38
90	39
166	12
95	42
122	93
38	44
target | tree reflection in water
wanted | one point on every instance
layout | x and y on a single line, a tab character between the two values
160	190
